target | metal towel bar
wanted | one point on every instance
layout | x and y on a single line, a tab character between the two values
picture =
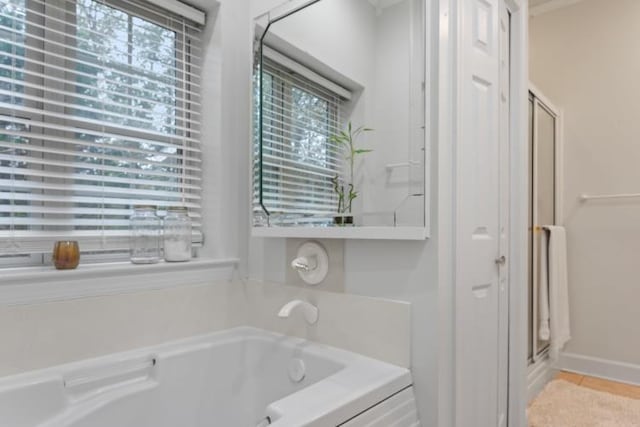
586	197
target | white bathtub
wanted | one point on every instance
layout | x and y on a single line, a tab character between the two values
242	377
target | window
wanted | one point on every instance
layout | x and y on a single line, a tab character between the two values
299	161
99	111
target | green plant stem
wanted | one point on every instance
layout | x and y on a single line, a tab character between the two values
348	138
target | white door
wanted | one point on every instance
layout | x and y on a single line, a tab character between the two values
482	161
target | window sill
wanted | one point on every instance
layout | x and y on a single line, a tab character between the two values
44	284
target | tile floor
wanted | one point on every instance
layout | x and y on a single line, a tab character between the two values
599	384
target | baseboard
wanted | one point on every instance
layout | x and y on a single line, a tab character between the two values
539	375
608	369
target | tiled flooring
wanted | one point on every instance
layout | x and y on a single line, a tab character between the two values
601	385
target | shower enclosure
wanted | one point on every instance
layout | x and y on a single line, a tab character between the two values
544	205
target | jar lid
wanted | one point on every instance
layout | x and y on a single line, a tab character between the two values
180	209
145	207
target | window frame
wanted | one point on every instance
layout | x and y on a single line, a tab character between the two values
279	71
49	41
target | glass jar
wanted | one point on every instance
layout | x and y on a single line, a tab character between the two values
66	254
144	240
177	234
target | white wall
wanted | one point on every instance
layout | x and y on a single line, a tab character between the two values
405	271
59	332
225	131
337	33
585	59
397	115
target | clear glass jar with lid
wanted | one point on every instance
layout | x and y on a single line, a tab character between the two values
177	234
145	232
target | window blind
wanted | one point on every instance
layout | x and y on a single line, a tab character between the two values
299	115
99	111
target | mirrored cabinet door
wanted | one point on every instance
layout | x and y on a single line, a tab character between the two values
339	120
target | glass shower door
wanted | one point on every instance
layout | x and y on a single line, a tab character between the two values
542	191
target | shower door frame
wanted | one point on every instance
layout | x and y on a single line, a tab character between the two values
539	99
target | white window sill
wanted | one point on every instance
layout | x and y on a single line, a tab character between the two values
44	284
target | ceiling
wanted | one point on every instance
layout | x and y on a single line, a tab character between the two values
537	7
382	4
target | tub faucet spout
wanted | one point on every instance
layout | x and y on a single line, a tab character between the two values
309	311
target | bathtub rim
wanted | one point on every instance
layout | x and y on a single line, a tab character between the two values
359	384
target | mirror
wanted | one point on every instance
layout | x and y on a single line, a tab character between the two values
339	119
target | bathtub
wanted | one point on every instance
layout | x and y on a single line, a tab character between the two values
242	377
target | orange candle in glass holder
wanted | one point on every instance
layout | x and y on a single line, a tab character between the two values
66	254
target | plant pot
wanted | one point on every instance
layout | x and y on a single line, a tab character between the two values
343	220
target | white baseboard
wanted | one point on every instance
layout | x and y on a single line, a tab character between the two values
609	369
539	375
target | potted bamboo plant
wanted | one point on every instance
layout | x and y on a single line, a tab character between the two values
346	191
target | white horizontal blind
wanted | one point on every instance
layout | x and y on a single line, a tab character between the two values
299	161
99	111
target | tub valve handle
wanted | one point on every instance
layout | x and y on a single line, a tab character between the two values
304	264
311	263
